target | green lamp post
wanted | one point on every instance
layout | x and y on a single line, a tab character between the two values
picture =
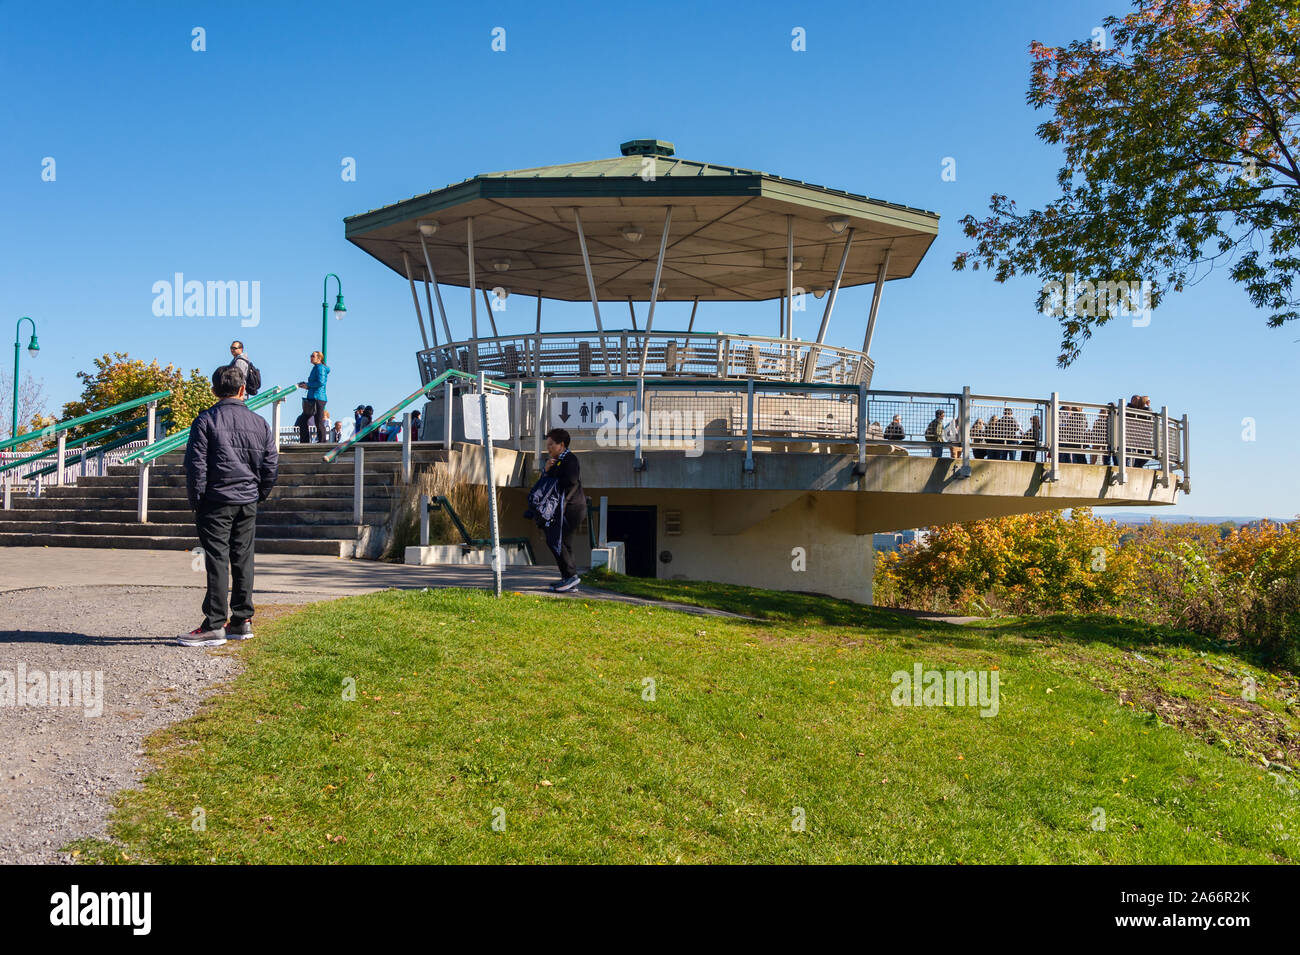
339	311
33	349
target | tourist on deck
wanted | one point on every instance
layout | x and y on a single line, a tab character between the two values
894	431
563	465
976	437
313	406
952	438
230	467
1004	431
1033	437
1138	428
337	436
934	433
874	431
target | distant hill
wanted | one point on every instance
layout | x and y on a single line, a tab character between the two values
1137	517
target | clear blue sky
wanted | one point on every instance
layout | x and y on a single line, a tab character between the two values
225	165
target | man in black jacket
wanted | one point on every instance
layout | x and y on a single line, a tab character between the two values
563	465
230	467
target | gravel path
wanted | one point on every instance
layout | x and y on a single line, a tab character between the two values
60	767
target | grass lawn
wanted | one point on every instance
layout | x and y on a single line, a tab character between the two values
532	712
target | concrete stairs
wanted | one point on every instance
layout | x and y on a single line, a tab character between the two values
309	512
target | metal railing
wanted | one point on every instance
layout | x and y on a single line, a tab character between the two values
668	354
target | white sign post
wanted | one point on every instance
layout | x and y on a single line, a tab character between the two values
485	420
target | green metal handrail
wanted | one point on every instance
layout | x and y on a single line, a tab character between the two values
524	542
76	458
412	397
178	440
81	442
83	419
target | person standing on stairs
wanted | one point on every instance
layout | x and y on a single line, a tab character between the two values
230	467
313	406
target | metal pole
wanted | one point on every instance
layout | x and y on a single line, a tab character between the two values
965	431
142	501
602	537
654	292
424	520
788	330
275	420
519	416
8	496
13	433
862	428
749	424
1122	442
61	456
324	313
632	309
1187	457
447	397
150	427
487	305
875	303
638	462
473	301
541	421
358	481
428	304
539	311
491	483
1164	445
691	325
415	298
406	447
591	288
1054	438
813	353
437	294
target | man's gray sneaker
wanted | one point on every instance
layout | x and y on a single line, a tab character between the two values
201	637
569	583
239	631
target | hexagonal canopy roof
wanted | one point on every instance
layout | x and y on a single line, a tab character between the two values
726	241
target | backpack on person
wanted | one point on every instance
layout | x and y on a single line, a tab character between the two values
252	379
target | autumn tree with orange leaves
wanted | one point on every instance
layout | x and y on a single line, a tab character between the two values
1180	129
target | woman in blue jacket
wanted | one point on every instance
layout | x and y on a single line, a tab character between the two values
313	406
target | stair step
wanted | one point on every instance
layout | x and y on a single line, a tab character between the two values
162	529
335	548
303	517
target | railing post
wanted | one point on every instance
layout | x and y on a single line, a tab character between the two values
150	428
358	481
1164	445
60	457
447	396
99	460
519	415
275	420
749	424
964	411
424	520
623	352
1186	482
9	496
541	423
861	467
1121	440
602	538
1054	438
406	447
639	418
142	503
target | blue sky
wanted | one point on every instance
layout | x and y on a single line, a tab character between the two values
225	165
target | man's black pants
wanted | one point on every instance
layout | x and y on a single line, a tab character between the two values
312	410
226	533
572	520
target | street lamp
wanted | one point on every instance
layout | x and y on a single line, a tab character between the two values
33	349
339	311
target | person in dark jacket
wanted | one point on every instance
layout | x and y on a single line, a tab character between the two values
313	406
563	465
230	467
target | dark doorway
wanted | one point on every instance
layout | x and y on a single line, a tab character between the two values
635	527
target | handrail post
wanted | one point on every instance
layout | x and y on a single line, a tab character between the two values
1054	438
1121	441
541	422
275	420
861	468
749	425
60	458
149	432
447	395
8	495
639	417
358	482
406	447
142	502
964	411
424	520
519	415
1186	482
1164	445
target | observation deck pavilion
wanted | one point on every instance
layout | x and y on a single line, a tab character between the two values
733	430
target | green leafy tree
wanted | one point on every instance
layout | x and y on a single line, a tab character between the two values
1179	127
119	378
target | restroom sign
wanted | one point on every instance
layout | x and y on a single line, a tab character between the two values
577	412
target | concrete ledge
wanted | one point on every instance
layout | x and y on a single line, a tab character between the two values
612	557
